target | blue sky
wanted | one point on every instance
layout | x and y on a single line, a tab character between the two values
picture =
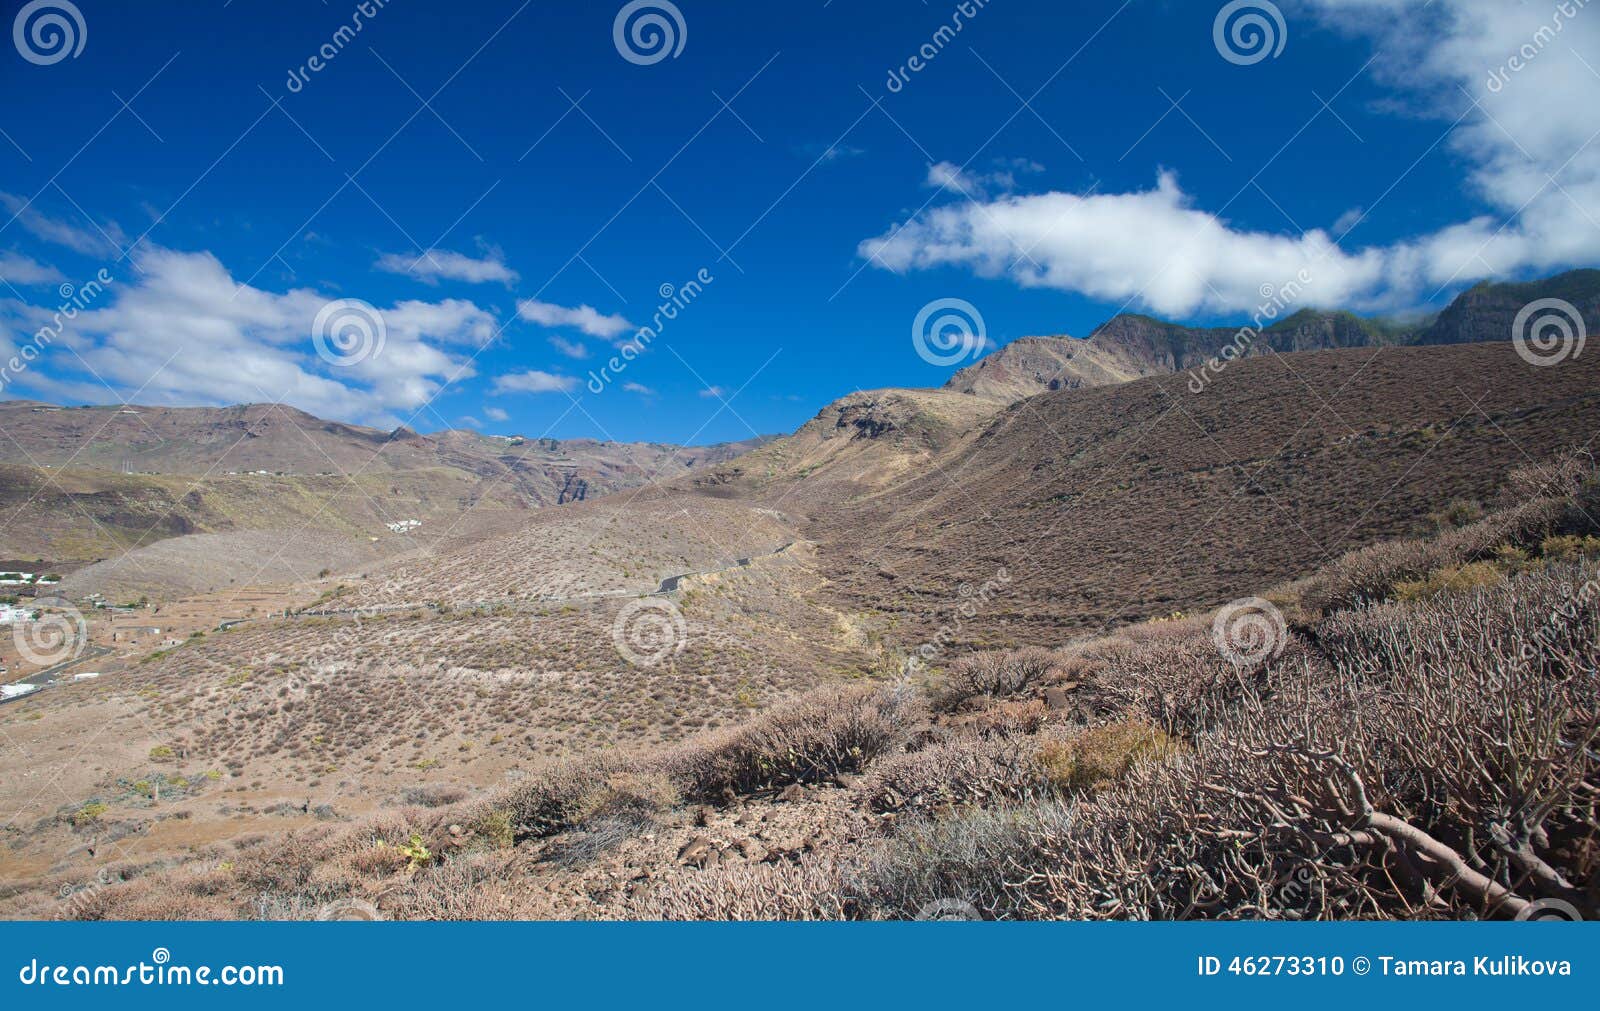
1051	164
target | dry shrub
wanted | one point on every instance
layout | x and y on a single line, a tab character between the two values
811	739
475	887
1570	547
1442	764
1372	573
633	794
1005	719
1185	686
808	889
1103	755
195	892
548	800
952	773
994	674
1564	476
973	857
624	807
1456	579
432	795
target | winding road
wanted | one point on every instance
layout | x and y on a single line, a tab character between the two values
50	675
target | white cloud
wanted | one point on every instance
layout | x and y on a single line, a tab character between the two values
585	318
534	381
496	414
832	153
96	241
978	185
572	349
1527	147
470	421
18	269
1348	221
432	265
639	388
181	330
713	391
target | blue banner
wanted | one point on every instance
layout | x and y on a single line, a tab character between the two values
768	967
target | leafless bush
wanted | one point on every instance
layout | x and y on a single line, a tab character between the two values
548	800
994	674
976	857
1431	771
1563	476
1186	685
969	771
476	887
811	739
809	889
622	808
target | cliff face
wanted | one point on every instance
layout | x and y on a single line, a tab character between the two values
1488	312
1131	346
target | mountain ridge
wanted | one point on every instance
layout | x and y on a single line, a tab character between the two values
1133	346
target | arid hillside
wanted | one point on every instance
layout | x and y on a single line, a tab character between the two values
1089	508
165	502
857	445
281	440
1330	750
563	717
